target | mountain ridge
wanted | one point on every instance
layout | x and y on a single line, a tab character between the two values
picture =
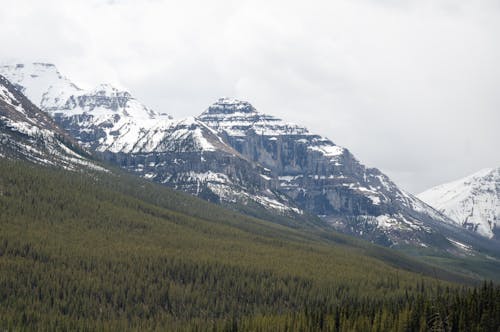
184	154
472	202
28	133
322	177
233	154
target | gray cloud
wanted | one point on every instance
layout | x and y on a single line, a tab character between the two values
410	87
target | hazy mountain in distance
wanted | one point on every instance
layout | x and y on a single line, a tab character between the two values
472	202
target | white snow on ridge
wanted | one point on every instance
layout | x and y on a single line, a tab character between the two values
328	150
472	202
9	98
38	142
186	135
231	103
455	190
236	117
208	176
398	221
41	83
26	128
121	118
222	185
386	222
104	100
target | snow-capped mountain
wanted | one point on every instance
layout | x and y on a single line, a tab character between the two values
28	133
184	154
322	177
237	156
472	202
190	156
41	83
103	119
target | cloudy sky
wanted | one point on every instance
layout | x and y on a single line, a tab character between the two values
409	86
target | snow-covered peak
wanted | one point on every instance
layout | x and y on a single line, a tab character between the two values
44	85
226	105
102	118
106	100
41	83
472	202
236	118
108	90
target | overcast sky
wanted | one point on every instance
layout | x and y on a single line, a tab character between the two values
409	86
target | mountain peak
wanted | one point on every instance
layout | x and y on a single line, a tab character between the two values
472	202
41	82
227	105
236	117
34	69
108	90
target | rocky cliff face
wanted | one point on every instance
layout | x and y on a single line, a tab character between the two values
321	177
101	119
106	119
184	154
235	155
190	156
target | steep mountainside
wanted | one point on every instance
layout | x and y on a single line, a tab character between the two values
239	157
28	133
41	83
472	202
102	119
324	178
190	156
183	154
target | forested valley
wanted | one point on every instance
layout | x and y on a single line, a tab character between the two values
92	252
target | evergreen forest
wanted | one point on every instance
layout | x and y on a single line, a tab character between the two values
86	251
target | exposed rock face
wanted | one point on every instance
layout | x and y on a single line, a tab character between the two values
190	156
184	154
106	119
234	155
28	133
472	202
321	177
101	119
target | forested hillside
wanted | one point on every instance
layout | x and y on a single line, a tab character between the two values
109	252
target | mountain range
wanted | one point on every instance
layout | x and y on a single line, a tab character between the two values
236	156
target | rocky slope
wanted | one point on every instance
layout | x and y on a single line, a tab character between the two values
472	202
184	154
190	156
28	133
103	119
235	155
322	177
